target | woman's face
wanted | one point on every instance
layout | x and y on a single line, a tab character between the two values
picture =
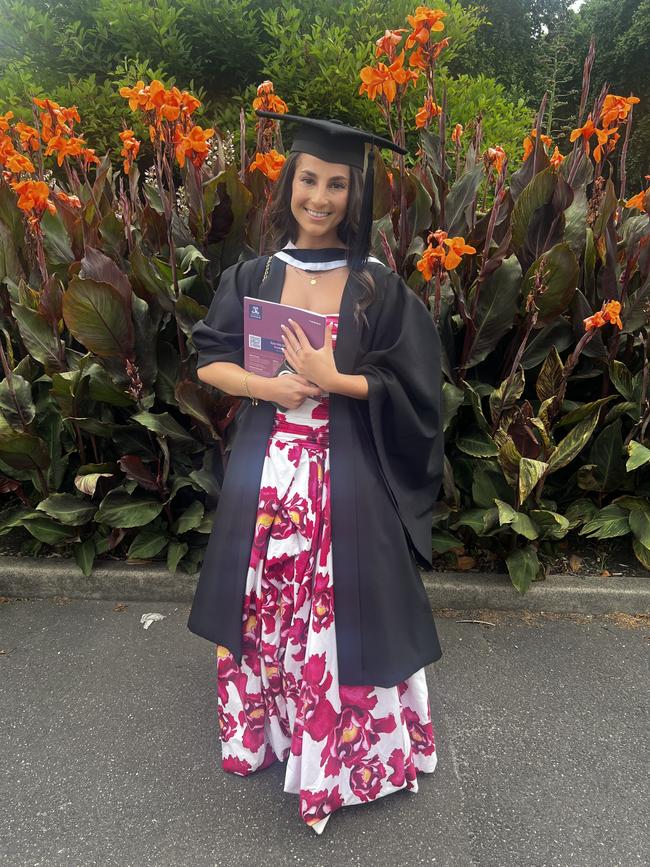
319	200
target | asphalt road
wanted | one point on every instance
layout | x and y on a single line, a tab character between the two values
109	751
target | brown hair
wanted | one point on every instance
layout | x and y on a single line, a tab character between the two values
282	225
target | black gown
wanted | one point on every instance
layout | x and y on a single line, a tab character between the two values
386	456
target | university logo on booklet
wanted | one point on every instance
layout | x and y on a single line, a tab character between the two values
254	311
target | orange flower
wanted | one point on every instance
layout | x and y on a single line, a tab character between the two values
495	157
4	120
194	145
457	248
130	148
387	43
429	110
33	196
457	133
423	23
89	157
585	132
267	100
423	56
529	142
28	137
640	201
557	159
189	102
18	163
607	139
269	163
431	262
71	201
609	312
616	108
136	95
383	80
64	147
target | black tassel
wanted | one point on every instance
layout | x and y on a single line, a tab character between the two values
361	247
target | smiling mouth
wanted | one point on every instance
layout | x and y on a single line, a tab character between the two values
318	215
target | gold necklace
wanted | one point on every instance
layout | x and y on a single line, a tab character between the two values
314	280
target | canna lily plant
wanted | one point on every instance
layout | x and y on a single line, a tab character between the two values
535	267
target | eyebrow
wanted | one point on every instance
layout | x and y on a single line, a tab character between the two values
313	175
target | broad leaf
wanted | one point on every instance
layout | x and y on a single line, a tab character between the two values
84	554
530	472
560	269
98	318
477	444
573	443
68	509
120	509
496	309
459	197
550	524
549	379
640	526
523	567
148	542
519	521
638	456
16	402
537	193
607	454
610	522
164	425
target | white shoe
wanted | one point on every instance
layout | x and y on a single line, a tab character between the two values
319	826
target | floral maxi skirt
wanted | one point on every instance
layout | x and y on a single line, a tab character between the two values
344	744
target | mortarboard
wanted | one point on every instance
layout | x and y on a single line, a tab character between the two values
334	142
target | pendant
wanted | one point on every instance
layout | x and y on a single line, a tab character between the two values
313	282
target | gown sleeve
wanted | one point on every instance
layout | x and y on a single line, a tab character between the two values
220	336
402	366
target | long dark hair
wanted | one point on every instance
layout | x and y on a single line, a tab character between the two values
282	225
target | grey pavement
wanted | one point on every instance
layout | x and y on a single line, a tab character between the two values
110	752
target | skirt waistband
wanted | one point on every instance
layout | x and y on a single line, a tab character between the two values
304	433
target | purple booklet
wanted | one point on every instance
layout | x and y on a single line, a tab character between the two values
263	335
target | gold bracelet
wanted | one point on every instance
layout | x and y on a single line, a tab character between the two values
253	400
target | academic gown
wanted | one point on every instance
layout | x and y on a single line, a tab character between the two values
386	457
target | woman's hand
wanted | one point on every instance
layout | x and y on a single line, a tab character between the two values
316	365
290	390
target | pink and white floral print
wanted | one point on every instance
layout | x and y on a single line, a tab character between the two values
343	744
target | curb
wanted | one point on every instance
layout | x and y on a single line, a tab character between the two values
569	594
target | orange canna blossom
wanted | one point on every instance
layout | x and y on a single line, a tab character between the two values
89	156
267	100
610	312
64	147
429	110
423	23
495	157
607	139
193	145
130	148
136	95
457	133
18	163
4	120
457	248
382	80
585	132
616	108
29	137
557	159
33	196
529	142
269	163
388	42
640	201
71	201
431	262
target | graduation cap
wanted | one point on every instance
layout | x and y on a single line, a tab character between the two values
332	141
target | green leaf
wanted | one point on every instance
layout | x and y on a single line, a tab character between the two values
459	197
164	425
496	309
523	567
46	530
68	509
477	444
452	399
175	553
641	552
622	380
22	451
120	509
148	542
573	443
84	554
583	411
519	521
17	407
479	520
190	519
98	318
640	526
549	378
633	504
195	401
475	400
507	394
442	541
561	279
638	456
509	459
558	334
607	454
38	336
550	524
537	193
607	207
610	522
530	472
580	512
487	484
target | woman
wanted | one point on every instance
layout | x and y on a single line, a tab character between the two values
310	587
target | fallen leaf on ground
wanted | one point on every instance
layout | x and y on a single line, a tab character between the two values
575	563
465	562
